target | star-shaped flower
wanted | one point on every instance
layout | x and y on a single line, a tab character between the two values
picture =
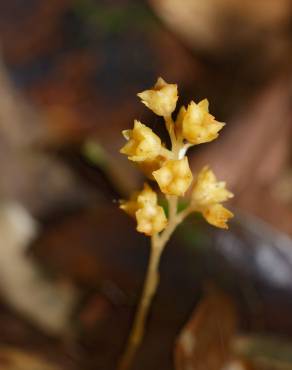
161	99
143	144
149	215
207	196
174	177
198	125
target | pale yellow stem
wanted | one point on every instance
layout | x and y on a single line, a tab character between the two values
150	286
169	124
158	243
183	214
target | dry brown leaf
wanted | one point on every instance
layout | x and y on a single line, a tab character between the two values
204	343
44	303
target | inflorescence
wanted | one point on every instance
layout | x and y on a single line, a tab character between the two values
170	168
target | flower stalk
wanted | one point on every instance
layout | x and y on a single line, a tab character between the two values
158	243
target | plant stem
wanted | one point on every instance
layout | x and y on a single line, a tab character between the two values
158	243
169	124
150	286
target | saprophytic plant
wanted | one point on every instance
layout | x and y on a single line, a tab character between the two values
169	167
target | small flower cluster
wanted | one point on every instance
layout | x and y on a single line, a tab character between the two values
207	196
150	216
170	167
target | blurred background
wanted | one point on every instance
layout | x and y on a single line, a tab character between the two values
71	264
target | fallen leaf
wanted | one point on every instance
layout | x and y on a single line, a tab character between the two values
43	302
204	343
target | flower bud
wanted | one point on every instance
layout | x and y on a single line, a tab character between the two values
161	99
151	219
198	125
146	196
207	190
207	194
217	215
143	144
130	206
174	177
150	216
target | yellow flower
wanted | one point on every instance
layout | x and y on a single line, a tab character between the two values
198	125
130	206
143	144
174	177
151	219
150	216
138	199
146	196
217	215
207	190
161	99
207	194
